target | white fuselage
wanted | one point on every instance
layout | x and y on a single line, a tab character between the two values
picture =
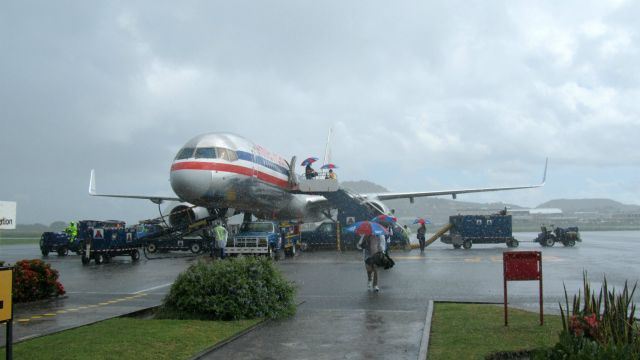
226	171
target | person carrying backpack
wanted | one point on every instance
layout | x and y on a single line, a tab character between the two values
372	248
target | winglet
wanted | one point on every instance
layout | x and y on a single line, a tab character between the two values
92	183
544	176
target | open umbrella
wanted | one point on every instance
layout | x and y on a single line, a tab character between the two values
422	221
329	166
367	228
385	219
308	161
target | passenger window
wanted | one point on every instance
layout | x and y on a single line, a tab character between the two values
185	153
206	153
478	222
489	222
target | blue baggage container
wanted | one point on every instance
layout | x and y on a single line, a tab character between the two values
479	229
57	242
102	240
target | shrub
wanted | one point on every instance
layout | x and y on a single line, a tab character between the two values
35	280
233	289
602	327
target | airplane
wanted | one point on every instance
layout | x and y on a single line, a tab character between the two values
221	174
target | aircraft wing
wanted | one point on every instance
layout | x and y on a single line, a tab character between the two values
454	193
154	199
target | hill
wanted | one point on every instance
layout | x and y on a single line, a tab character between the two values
572	206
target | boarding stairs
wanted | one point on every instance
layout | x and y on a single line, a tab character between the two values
343	200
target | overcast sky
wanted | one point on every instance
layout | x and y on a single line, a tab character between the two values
421	95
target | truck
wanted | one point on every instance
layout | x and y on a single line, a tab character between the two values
466	230
567	236
325	235
102	240
59	242
256	238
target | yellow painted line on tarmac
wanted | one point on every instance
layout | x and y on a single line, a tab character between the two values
23	320
82	307
123	299
49	314
36	317
475	259
496	259
72	309
112	302
62	311
92	306
103	303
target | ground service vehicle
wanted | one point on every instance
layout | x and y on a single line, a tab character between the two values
466	230
290	235
550	236
256	238
326	236
57	242
102	240
156	237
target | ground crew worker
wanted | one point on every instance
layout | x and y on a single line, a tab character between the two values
221	238
72	231
309	173
331	175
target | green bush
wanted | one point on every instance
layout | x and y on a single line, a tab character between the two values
598	327
233	289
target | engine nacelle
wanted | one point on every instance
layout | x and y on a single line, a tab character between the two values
184	214
377	206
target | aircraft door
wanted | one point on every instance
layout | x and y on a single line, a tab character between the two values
254	170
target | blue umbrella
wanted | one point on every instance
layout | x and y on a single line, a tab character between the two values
366	228
308	161
329	166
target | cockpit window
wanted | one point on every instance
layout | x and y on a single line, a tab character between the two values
185	153
207	153
227	154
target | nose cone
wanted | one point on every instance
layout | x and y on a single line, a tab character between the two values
190	185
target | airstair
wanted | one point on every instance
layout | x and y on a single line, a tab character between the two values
346	202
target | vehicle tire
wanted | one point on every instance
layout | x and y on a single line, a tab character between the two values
152	247
456	246
513	243
107	258
195	247
135	255
99	258
63	252
570	243
85	260
293	250
45	252
549	241
467	244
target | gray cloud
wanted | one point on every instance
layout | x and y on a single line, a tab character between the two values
421	95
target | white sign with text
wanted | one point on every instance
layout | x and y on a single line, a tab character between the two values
7	215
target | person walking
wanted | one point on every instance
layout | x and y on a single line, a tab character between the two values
422	231
221	238
371	245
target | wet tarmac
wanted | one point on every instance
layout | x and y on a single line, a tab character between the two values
338	317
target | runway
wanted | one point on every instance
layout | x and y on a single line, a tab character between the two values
332	288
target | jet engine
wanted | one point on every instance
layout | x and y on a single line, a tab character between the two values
182	214
376	206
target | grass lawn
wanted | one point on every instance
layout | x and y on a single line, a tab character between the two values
19	240
127	338
472	331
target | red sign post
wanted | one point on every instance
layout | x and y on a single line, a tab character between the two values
522	266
